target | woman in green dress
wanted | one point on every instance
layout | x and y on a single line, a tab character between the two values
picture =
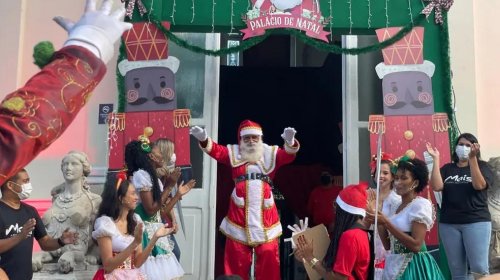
402	226
142	159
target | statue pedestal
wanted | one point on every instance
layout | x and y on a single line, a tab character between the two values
80	272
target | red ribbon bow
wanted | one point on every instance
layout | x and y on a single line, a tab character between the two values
373	162
120	177
439	6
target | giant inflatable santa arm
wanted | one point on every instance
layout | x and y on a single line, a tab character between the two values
34	116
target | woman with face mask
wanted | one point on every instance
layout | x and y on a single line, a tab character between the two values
168	157
402	228
465	224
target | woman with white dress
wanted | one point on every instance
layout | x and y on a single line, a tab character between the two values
118	231
142	159
403	228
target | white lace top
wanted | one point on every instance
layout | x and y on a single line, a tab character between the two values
105	226
419	210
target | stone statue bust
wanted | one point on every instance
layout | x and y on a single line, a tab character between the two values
73	207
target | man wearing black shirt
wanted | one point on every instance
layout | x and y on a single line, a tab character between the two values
19	223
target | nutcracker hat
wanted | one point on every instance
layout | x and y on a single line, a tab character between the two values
248	127
404	55
147	46
353	199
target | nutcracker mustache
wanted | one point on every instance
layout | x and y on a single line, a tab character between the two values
251	152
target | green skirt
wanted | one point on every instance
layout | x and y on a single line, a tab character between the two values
406	265
422	266
164	245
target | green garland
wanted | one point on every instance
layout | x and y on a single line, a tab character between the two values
246	44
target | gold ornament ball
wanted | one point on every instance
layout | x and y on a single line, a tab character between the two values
408	135
410	153
148	131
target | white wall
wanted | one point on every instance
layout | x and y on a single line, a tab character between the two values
475	58
488	81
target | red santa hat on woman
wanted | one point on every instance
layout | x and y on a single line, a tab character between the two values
248	127
353	199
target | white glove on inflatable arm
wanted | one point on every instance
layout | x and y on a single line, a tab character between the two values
289	135
296	229
96	30
198	133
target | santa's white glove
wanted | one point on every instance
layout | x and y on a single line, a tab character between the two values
296	229
198	133
97	30
289	135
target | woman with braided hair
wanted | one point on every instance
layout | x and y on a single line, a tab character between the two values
142	159
403	227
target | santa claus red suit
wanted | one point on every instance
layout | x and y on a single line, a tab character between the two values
252	221
34	116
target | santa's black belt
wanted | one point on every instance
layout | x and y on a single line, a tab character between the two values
254	176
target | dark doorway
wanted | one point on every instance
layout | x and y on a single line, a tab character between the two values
267	90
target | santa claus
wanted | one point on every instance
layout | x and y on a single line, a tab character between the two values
252	221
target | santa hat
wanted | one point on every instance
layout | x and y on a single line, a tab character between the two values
248	127
353	199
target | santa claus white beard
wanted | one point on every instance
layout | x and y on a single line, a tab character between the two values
251	152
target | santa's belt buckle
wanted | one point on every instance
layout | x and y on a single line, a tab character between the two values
254	176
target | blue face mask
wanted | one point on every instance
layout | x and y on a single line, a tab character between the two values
462	152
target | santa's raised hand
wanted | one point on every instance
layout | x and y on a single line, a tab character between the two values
289	135
198	133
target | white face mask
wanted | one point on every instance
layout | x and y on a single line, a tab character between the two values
171	162
462	152
25	191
